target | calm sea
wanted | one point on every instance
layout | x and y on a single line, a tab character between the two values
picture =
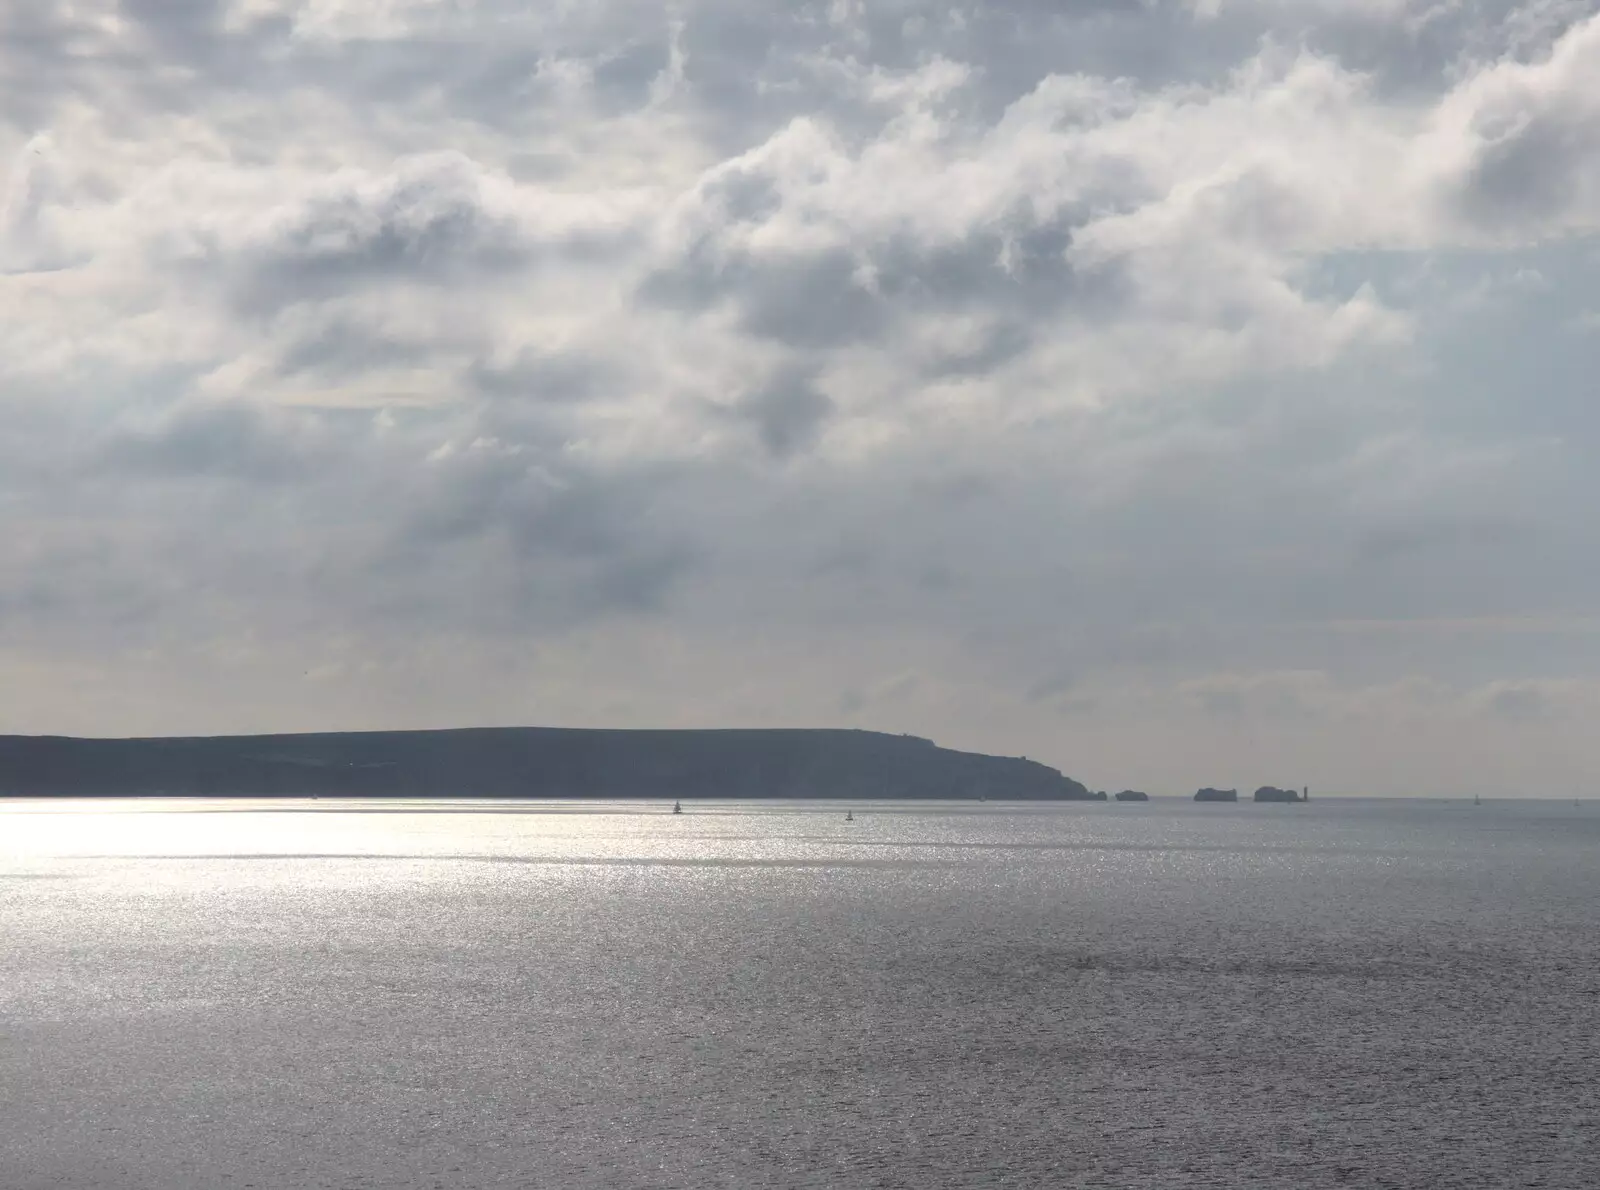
442	994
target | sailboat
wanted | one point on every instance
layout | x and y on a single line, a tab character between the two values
849	816
1476	800
677	807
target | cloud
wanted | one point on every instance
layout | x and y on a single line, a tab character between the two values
29	240
431	220
537	538
1535	160
1263	695
787	413
1516	701
1121	373
215	440
435	220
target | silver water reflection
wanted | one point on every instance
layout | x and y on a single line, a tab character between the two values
507	994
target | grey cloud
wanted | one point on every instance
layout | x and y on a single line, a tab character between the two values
787	413
333	341
1151	44
829	300
1018	267
1268	695
216	440
543	376
430	223
852	555
1536	173
804	300
1224	703
488	485
955	490
1150	644
750	70
1535	168
747	70
1521	702
1015	275
1394	543
1001	343
180	27
557	541
623	78
642	580
338	345
741	195
1057	685
51	54
91	587
27	244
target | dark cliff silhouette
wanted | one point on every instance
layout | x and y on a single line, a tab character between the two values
1217	795
1132	795
542	762
1271	793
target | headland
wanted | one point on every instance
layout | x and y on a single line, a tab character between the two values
525	762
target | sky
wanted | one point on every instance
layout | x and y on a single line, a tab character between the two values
1179	392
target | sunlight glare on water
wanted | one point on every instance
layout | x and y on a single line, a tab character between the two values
336	994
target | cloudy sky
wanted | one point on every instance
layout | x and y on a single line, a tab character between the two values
1177	391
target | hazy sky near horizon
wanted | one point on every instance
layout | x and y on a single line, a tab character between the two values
1192	392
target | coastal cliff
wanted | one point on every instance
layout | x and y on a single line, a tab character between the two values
1217	795
537	762
1271	793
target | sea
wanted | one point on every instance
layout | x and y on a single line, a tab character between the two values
442	994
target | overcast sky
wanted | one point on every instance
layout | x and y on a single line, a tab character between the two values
1180	392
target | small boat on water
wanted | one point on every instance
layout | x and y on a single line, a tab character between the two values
677	807
849	816
1476	800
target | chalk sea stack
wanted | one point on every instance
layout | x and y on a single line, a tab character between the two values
1217	795
526	762
1132	795
1271	793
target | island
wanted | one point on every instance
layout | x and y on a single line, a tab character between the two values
1217	795
1271	793
526	762
1132	795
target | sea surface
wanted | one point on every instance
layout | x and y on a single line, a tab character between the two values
474	994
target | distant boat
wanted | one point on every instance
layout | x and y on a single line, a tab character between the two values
849	816
1476	800
677	807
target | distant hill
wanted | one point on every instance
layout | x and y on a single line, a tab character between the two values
540	762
